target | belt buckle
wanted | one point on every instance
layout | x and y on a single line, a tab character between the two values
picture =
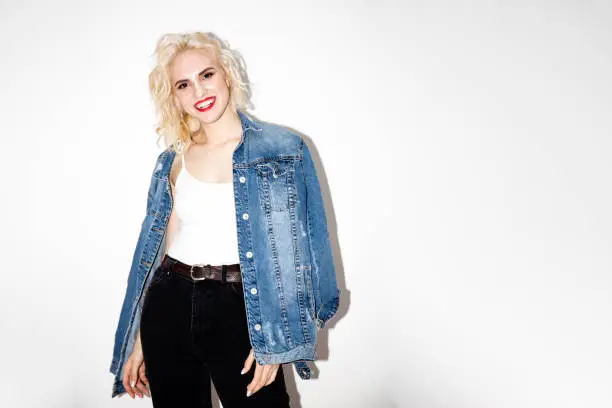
207	271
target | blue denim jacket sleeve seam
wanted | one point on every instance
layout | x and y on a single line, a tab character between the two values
326	309
312	257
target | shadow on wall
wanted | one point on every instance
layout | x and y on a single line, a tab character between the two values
323	335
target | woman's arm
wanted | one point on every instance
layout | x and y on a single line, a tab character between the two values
171	229
170	233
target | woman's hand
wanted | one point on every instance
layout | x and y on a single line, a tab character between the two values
264	374
134	378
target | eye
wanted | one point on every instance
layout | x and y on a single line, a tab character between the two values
181	85
208	75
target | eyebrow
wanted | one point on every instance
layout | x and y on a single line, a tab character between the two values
185	80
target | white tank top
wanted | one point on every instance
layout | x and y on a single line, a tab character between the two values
207	221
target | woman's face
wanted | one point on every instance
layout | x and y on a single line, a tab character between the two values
200	85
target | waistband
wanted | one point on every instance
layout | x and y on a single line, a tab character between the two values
200	272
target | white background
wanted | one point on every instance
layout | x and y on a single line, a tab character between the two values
466	146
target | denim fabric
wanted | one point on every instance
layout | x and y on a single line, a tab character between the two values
193	332
289	279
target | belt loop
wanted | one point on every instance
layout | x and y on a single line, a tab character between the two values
224	273
170	261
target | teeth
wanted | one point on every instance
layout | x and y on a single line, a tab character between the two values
204	105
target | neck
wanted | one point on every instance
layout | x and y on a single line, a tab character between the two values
227	127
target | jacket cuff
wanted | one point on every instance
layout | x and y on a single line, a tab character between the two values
328	310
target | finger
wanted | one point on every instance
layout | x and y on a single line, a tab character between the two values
142	388
129	380
142	376
269	373
272	376
134	380
251	388
135	386
248	362
263	378
126	382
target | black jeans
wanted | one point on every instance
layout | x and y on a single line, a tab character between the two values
192	332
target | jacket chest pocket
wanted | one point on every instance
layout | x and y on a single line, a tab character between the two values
275	180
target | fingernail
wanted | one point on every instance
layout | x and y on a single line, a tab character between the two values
132	383
248	393
244	370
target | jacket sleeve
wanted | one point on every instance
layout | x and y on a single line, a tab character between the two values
324	283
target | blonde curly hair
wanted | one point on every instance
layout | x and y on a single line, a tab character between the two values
174	126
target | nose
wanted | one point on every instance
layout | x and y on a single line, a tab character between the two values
199	90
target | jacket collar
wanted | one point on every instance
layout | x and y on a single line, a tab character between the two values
247	123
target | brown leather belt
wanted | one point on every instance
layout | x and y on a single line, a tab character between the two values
199	272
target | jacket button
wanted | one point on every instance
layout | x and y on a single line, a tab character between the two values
245	216
242	179
258	327
254	291
249	254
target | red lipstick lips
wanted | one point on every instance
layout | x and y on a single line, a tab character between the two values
209	107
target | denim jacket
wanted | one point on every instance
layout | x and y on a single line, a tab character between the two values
288	273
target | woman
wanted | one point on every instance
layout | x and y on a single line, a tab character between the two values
233	273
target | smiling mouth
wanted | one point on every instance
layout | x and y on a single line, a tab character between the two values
205	104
